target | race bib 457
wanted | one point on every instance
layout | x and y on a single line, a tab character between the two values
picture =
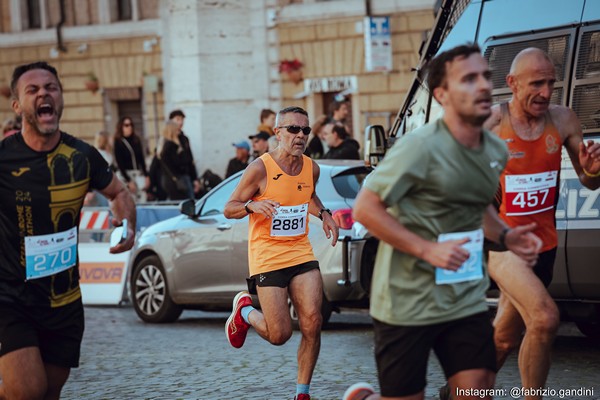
530	193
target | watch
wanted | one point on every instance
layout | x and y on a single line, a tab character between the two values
320	215
248	210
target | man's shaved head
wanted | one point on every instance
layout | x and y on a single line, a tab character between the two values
525	58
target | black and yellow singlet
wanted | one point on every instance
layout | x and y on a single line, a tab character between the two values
41	195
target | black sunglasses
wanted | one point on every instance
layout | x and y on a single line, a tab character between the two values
294	129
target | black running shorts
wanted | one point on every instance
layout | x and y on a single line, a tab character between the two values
281	277
402	352
544	268
57	332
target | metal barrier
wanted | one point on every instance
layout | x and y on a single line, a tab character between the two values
103	275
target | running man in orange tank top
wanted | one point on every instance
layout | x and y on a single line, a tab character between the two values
534	132
277	190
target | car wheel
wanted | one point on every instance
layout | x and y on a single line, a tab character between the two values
589	329
326	310
150	292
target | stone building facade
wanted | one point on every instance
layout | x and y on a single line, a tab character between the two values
217	60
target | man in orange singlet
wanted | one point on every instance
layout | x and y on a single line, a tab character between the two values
534	132
277	190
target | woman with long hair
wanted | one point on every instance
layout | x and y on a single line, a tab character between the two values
175	175
129	157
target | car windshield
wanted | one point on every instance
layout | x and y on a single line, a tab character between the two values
349	182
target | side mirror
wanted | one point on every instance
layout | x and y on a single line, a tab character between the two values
188	207
374	144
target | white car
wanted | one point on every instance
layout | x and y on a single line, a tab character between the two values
199	259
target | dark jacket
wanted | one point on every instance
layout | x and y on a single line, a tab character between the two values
347	150
314	149
124	159
175	163
234	166
156	189
188	159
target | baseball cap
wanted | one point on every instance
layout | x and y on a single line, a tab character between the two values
242	145
260	135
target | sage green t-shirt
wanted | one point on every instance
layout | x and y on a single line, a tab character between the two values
432	184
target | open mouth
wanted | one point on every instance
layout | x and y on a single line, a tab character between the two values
45	111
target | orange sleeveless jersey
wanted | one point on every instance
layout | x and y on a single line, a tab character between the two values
266	250
529	184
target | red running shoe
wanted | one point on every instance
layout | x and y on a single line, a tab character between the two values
302	396
235	327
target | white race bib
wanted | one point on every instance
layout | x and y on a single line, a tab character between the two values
47	255
530	194
290	220
472	269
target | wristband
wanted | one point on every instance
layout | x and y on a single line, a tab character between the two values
320	215
590	175
248	210
502	237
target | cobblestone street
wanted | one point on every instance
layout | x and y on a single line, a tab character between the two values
124	358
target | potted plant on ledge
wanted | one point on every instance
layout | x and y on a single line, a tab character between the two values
293	69
92	83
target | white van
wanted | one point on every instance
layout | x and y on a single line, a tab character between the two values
569	31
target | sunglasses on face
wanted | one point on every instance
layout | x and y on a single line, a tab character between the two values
127	125
294	129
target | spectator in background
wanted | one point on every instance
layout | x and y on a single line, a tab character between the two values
240	161
260	144
341	145
156	192
174	159
339	110
178	117
317	146
11	126
129	158
267	123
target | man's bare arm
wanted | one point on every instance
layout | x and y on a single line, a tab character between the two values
371	211
585	156
493	122
250	185
330	228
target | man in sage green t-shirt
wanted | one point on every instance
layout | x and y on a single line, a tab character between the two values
429	202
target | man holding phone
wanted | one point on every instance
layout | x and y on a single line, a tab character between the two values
44	176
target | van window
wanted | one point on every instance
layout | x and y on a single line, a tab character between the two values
585	92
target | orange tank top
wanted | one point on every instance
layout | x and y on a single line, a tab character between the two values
529	184
282	241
